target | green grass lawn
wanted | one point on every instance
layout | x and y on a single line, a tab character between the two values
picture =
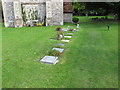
90	59
0	56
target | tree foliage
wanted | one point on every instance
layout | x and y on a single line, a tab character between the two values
101	8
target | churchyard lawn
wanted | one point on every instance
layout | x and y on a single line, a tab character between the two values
90	59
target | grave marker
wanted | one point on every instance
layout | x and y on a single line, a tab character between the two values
49	59
58	49
65	40
67	36
69	33
61	44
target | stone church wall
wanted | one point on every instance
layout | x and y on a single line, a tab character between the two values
42	11
52	9
68	17
8	12
57	12
18	22
54	12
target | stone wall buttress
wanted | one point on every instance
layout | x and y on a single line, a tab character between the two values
18	22
57	12
8	12
54	12
48	13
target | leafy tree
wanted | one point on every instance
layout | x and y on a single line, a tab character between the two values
78	7
102	8
115	8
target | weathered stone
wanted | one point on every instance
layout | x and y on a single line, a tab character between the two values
64	29
58	49
8	11
48	13
18	22
69	33
70	27
51	9
57	12
76	30
49	59
67	36
65	40
61	44
68	17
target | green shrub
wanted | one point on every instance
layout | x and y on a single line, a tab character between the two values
75	19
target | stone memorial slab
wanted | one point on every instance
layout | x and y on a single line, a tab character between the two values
64	29
49	59
61	44
70	27
76	30
65	40
58	49
67	36
69	33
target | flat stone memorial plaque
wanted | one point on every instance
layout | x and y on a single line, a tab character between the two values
70	27
67	36
58	49
65	40
61	44
69	33
65	30
76	30
49	59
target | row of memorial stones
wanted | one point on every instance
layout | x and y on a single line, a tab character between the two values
52	58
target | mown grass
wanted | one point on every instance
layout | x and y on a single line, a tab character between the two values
90	59
0	55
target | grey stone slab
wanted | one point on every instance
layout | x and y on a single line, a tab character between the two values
67	36
61	44
78	27
76	30
70	27
58	49
69	33
65	40
49	59
65	30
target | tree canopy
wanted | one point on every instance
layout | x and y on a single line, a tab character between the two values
96	8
